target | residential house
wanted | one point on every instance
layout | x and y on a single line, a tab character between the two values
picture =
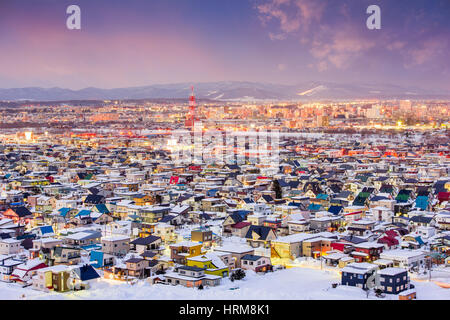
367	251
62	255
81	277
211	262
137	267
290	247
7	265
100	259
10	246
236	252
357	274
116	245
260	236
83	238
24	272
393	280
403	258
166	232
191	277
19	215
256	263
55	278
181	251
140	245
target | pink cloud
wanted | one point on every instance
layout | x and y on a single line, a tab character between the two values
427	51
292	15
339	48
330	46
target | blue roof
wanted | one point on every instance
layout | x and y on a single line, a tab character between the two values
335	209
46	229
102	208
83	213
251	257
378	198
205	216
262	231
63	212
419	240
24	236
133	217
242	213
211	192
96	256
422	202
87	272
296	204
314	207
296	163
167	218
322	196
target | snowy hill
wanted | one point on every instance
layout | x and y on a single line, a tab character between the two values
228	90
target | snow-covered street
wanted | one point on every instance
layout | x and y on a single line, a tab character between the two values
294	283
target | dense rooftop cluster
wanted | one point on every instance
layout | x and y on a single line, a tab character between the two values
85	208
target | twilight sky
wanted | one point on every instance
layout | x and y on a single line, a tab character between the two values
143	42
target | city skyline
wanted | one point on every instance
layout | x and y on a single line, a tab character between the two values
275	41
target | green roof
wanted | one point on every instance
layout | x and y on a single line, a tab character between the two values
402	197
364	195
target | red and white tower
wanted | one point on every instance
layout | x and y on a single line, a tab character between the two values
190	117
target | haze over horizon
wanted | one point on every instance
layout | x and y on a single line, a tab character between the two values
141	43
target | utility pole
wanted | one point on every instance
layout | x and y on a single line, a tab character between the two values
429	269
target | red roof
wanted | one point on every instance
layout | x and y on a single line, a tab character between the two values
388	240
391	233
338	246
241	225
443	196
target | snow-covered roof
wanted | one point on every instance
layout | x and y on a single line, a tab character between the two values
335	256
296	237
83	235
57	268
115	238
210	256
235	248
359	268
397	253
369	245
10	241
391	271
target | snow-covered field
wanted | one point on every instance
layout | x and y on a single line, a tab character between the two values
294	284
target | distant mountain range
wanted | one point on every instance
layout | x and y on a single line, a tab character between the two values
229	91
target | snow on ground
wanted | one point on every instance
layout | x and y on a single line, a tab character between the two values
293	284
